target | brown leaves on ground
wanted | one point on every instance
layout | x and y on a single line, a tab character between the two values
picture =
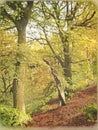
69	115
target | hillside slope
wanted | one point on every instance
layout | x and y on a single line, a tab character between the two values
69	115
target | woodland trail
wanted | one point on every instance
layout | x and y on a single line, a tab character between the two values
69	115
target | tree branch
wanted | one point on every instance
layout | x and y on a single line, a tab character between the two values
9	28
86	21
80	61
28	10
11	5
4	13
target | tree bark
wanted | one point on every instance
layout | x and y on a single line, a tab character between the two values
14	90
4	85
18	91
67	58
60	89
21	34
67	64
61	94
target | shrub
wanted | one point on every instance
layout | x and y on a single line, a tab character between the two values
12	117
69	92
91	112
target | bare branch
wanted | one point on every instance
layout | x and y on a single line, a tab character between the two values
9	28
86	21
80	61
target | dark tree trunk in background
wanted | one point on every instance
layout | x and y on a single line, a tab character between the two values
14	88
65	42
67	64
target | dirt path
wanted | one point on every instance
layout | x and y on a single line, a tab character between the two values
68	115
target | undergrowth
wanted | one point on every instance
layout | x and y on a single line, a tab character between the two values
12	117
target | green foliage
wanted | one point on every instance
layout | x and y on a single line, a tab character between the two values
40	108
6	101
49	89
91	112
12	117
38	105
69	92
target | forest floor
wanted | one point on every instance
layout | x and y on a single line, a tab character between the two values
69	115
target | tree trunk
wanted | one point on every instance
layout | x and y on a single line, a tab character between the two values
21	34
4	85
18	91
61	94
67	64
62	101
21	29
60	89
14	90
66	52
24	14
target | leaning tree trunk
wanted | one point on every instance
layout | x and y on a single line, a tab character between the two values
61	94
60	89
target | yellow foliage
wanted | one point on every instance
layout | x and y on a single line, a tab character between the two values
7	42
36	46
